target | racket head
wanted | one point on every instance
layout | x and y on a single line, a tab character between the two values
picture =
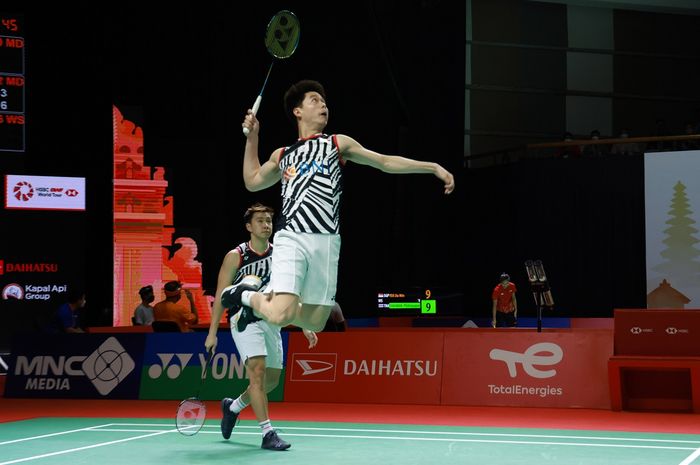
282	35
190	417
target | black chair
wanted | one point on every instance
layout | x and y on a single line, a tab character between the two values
165	326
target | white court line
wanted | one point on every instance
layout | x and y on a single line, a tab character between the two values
445	433
399	438
691	458
92	446
54	434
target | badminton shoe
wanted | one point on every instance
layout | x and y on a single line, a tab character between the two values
229	418
273	442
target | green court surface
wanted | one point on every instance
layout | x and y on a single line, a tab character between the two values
142	441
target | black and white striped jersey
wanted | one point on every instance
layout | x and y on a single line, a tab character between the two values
252	262
311	185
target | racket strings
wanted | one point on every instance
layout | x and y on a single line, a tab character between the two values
190	416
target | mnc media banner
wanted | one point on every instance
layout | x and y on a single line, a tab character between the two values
75	366
382	367
173	366
527	369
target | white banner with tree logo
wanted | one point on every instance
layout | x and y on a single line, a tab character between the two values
672	204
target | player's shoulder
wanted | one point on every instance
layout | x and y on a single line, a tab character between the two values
236	253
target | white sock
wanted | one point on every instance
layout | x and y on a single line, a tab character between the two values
238	405
245	297
266	426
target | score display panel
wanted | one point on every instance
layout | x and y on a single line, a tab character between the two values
12	83
408	302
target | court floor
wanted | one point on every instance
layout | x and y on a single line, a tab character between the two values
107	441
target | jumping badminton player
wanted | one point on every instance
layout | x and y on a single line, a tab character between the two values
307	246
260	344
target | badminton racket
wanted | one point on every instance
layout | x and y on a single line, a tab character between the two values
281	40
192	411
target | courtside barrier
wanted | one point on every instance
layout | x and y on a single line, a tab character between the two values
555	368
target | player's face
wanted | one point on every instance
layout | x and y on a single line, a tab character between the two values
260	225
314	110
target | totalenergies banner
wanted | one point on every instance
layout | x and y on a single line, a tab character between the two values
528	369
381	367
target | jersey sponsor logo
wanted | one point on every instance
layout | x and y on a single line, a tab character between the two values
530	359
106	368
289	173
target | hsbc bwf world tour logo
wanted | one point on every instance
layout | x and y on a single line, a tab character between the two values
106	368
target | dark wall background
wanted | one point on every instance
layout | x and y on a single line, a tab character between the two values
394	75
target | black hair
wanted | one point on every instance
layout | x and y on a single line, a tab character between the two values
294	96
75	294
146	291
256	208
172	286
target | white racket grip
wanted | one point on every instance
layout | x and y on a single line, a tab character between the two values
255	108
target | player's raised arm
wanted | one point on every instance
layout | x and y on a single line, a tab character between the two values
256	176
353	151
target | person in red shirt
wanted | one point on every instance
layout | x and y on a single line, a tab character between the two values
505	306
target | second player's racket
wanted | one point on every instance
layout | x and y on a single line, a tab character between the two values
281	40
192	411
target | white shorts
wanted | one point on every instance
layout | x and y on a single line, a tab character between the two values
306	265
259	339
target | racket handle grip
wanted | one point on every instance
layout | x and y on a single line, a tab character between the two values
256	106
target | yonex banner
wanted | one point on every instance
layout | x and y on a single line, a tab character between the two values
382	367
76	366
527	369
44	192
173	363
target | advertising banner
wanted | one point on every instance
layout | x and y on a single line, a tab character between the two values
528	369
381	367
173	364
75	366
26	192
657	332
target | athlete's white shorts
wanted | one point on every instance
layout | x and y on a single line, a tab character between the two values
306	265
259	339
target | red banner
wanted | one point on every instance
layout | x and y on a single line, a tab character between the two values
549	369
374	367
657	332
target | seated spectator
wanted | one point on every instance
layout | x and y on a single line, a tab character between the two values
68	317
568	151
688	130
660	145
143	315
173	308
629	148
594	150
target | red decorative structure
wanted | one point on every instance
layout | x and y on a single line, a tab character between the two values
143	227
